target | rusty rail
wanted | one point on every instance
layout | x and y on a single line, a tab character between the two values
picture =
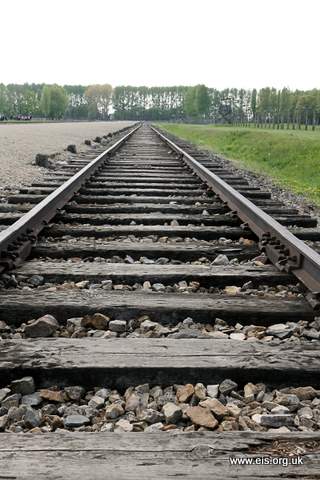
284	249
17	240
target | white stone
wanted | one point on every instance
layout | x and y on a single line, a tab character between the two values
213	390
124	425
96	402
118	326
172	412
237	336
221	260
257	418
281	409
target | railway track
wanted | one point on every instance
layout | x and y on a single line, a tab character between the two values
149	292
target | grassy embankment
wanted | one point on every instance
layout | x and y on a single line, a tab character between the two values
290	158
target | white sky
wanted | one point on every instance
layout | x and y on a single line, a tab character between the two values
222	43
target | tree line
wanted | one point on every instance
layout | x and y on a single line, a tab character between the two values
56	102
266	107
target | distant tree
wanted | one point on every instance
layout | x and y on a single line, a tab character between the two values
315	106
264	105
98	98
226	105
77	102
284	106
202	100
4	103
253	102
197	101
190	102
54	101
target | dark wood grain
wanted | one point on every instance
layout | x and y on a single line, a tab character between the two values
136	456
122	362
212	275
18	306
178	251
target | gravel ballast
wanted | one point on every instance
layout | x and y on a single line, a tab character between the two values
148	408
99	325
20	143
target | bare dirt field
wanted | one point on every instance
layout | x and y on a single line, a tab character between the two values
19	144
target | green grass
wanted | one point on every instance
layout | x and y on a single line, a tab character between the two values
290	157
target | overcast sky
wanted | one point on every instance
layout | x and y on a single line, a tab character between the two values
222	43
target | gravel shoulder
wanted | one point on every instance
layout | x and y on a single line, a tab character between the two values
21	142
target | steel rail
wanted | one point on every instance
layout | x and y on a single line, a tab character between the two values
284	249
17	240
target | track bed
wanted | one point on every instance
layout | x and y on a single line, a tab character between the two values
147	332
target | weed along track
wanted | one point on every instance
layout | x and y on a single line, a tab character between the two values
158	315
